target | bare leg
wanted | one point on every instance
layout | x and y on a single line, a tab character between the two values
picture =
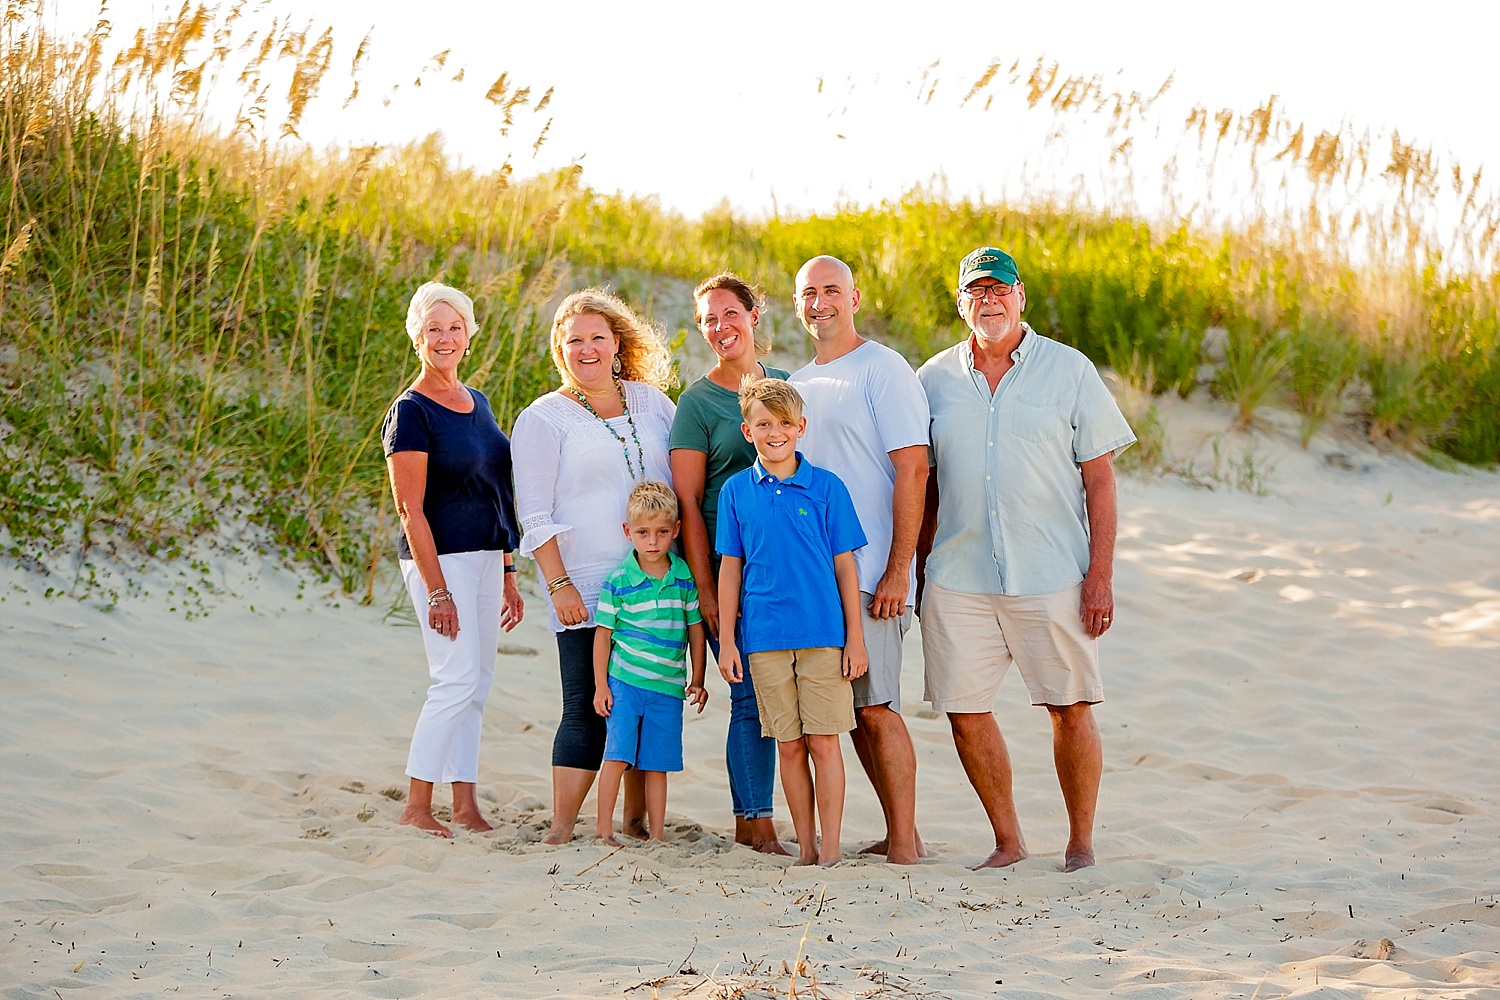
610	773
868	764
797	785
655	788
981	750
570	786
634	820
418	811
884	747
763	837
466	807
1079	759
828	758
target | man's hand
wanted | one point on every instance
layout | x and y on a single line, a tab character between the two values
891	593
697	695
1097	605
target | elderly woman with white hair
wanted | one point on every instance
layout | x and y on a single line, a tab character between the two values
450	469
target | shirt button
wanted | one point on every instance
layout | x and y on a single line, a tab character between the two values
992	409
992	444
778	493
986	478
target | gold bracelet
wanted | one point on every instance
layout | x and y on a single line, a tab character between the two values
554	586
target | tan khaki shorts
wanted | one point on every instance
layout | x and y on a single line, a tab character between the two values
801	691
970	640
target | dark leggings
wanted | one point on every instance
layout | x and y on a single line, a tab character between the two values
580	733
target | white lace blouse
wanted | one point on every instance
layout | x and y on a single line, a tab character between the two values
572	481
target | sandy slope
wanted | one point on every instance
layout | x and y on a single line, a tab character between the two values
1300	798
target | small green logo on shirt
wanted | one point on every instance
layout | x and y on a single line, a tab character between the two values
801	511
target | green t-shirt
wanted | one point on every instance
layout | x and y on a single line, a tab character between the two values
708	420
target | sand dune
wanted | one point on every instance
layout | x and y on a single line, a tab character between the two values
1299	800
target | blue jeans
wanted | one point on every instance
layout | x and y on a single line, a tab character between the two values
749	756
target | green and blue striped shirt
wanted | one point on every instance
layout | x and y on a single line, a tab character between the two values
649	619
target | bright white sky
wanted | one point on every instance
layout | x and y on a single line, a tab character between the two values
699	102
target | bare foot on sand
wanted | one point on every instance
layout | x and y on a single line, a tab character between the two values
636	829
1078	859
883	847
472	821
466	808
760	835
422	820
611	840
804	860
1000	858
558	835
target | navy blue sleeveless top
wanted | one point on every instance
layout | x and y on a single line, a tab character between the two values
469	501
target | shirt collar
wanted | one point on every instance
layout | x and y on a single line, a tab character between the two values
798	478
675	570
1019	355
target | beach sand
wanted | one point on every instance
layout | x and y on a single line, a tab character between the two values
1300	794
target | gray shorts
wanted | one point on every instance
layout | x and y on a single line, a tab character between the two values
881	685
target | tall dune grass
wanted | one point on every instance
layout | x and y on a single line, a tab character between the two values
1359	274
196	321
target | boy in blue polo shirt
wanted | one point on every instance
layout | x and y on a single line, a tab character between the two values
648	623
787	532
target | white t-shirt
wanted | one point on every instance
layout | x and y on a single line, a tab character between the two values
860	408
572	481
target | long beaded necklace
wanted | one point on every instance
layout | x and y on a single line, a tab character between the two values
624	445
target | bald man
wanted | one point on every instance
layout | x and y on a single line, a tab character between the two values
867	423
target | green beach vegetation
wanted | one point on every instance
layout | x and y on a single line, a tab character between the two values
202	324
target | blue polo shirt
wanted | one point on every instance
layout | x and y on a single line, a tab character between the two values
788	531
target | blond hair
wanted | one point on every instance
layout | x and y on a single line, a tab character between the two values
428	297
643	352
749	297
650	499
775	394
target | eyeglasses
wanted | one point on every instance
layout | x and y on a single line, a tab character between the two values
979	292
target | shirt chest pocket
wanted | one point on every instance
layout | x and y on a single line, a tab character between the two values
1036	418
804	516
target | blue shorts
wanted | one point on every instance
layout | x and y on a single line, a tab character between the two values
644	728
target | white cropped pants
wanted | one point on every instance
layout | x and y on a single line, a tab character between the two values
445	743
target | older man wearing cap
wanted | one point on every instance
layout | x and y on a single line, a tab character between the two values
1016	553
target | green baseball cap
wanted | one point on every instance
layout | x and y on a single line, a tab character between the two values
988	262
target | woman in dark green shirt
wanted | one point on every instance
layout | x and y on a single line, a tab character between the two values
708	448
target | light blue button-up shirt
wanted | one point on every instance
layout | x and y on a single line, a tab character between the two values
1011	512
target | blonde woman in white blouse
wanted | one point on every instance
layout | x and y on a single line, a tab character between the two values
577	452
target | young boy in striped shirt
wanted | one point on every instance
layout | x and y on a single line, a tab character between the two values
648	623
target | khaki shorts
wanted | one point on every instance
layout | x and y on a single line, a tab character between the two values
800	691
970	640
